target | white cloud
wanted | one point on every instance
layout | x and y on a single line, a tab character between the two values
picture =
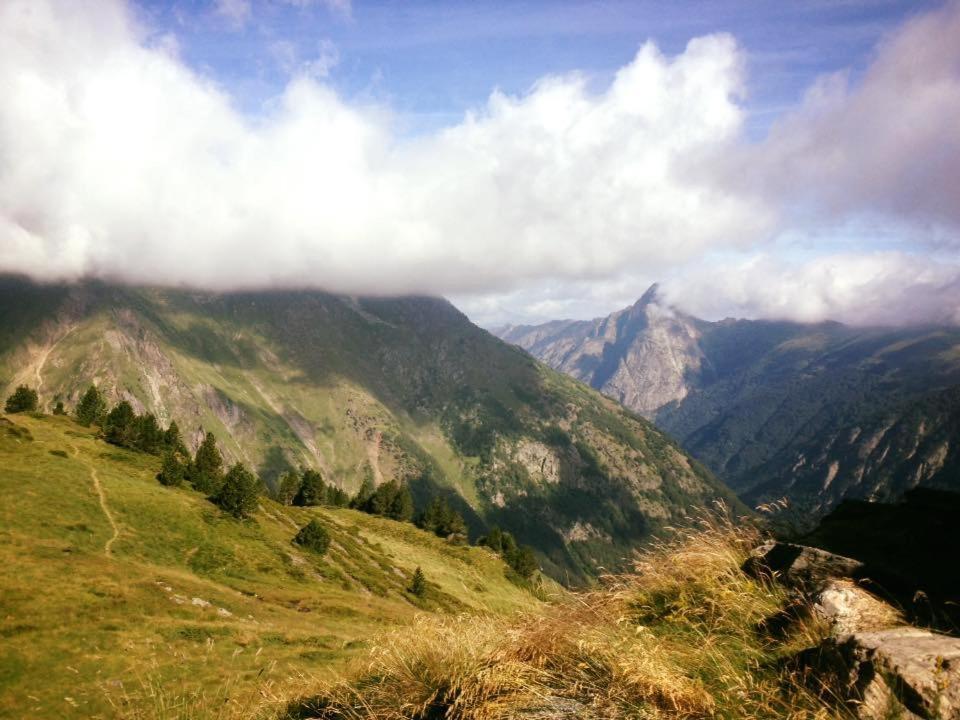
119	161
876	288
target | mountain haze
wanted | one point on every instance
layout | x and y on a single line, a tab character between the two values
812	412
380	388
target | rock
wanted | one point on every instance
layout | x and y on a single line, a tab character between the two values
900	672
851	609
804	568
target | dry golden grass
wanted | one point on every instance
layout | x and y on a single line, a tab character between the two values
675	638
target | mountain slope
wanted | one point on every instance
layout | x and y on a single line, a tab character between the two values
403	388
768	405
109	578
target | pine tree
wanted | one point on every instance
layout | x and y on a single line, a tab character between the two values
337	497
287	487
92	408
173	471
58	408
401	505
362	499
312	489
173	441
24	399
238	492
147	435
206	471
119	425
313	536
418	584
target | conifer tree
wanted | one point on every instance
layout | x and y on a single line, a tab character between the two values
147	435
92	408
312	489
401	505
173	441
238	492
206	471
58	408
287	487
119	425
173	471
418	583
362	499
24	399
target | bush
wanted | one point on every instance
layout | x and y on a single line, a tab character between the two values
239	491
24	399
520	558
314	537
58	408
118	428
92	408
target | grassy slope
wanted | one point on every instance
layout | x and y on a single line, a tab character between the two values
78	625
400	388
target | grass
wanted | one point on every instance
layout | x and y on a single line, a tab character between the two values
190	602
677	637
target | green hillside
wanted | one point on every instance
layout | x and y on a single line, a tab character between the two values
111	581
389	388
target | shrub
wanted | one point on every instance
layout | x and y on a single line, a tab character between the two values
313	536
58	408
92	408
24	399
239	491
418	583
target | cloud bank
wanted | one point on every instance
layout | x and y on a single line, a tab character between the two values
118	161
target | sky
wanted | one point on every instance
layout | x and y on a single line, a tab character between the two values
528	160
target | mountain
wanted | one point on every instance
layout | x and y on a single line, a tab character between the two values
811	412
385	388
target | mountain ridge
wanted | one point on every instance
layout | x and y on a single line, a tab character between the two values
756	400
379	388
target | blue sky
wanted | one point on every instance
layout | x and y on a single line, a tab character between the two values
528	160
431	61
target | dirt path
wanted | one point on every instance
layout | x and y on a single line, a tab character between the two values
102	496
44	354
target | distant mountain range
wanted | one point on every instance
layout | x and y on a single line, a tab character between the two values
403	388
811	412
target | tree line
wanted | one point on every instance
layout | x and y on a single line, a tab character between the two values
236	490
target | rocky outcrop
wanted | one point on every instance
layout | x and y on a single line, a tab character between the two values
805	568
872	661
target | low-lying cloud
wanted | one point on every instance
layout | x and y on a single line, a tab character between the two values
118	161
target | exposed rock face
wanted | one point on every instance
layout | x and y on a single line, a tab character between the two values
813	413
645	356
805	568
879	666
905	669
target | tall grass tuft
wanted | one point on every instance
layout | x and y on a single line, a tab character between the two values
679	636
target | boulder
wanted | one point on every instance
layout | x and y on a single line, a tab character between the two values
850	609
900	672
804	568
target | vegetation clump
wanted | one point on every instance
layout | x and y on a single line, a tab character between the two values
442	520
239	491
206	471
520	558
418	583
23	399
92	408
313	536
675	638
